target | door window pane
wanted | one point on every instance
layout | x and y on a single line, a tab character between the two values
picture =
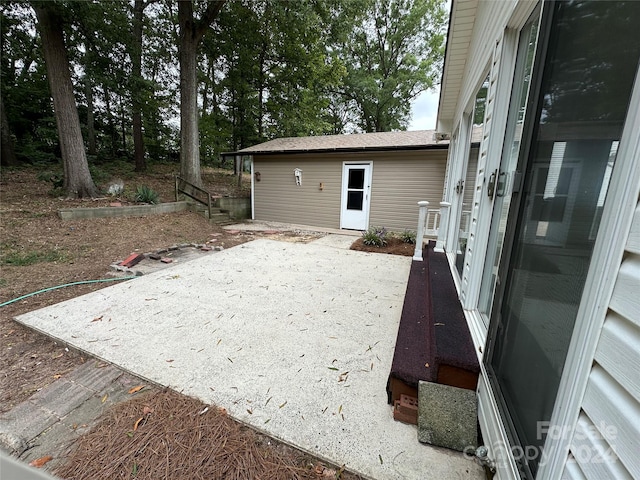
466	186
354	200
586	85
504	177
356	178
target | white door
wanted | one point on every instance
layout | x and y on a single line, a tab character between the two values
356	194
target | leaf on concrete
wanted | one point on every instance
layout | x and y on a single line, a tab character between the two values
97	319
136	389
104	398
283	404
39	462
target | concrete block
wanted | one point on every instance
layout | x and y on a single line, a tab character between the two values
22	423
447	416
94	375
61	397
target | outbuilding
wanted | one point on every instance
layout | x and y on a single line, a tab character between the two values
348	181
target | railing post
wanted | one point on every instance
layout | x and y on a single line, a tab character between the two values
443	227
422	216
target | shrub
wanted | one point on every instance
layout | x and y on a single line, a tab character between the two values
145	194
56	179
375	236
408	236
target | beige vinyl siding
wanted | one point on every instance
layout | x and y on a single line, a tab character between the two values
610	412
400	182
279	199
400	179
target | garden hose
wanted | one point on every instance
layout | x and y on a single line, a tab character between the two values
65	285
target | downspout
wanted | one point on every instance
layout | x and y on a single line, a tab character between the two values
253	193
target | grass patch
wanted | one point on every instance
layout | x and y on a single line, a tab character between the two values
22	259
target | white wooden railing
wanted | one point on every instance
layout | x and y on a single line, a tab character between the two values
429	221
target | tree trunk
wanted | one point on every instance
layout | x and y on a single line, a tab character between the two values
77	178
189	148
8	155
191	32
113	134
136	72
91	127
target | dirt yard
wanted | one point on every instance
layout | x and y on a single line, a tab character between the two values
38	251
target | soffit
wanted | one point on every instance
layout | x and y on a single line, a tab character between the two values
462	20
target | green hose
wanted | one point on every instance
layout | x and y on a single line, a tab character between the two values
65	285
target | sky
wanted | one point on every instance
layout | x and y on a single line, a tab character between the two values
424	110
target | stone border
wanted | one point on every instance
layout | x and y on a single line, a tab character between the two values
126	211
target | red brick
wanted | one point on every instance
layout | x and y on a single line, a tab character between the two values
132	260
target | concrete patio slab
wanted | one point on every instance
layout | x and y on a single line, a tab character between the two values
293	339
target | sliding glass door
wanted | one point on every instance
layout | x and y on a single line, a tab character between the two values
586	63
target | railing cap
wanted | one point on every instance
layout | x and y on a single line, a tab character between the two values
423	203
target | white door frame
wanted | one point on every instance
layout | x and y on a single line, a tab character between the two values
351	221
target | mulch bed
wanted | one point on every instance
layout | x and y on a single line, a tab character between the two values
394	246
165	435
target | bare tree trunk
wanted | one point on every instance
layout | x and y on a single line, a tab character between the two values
113	134
8	155
191	32
189	151
91	127
136	71
77	178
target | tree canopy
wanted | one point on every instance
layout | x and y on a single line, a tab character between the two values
260	69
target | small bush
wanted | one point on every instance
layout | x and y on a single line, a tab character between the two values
57	180
145	194
408	236
375	236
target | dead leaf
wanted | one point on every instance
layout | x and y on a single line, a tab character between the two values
97	319
57	356
169	361
104	399
426	365
137	424
39	462
319	469
283	404
57	376
249	411
222	411
147	410
136	389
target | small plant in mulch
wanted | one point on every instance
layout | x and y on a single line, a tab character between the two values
146	194
375	237
56	180
408	236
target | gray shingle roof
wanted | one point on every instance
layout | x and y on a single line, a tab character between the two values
360	141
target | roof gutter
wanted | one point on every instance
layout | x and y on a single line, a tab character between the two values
339	150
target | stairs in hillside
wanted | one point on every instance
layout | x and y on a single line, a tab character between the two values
218	216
